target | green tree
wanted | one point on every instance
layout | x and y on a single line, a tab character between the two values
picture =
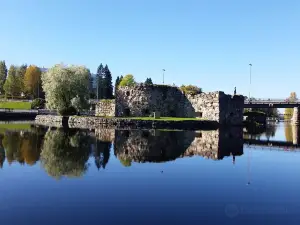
117	82
12	85
148	81
128	80
191	89
20	73
3	75
100	82
288	112
61	84
107	84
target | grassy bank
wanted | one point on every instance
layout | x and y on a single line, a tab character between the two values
14	105
13	126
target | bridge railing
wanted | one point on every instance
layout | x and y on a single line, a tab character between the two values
277	101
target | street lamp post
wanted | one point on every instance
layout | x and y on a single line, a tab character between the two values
250	82
163	75
97	80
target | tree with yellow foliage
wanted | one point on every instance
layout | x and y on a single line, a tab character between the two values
32	81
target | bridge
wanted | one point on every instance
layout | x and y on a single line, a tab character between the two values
276	103
271	103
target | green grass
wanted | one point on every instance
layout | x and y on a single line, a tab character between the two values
15	105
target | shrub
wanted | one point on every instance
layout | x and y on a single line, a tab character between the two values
38	103
191	89
128	80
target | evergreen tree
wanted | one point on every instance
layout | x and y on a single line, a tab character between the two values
116	84
148	81
107	84
12	85
3	74
99	81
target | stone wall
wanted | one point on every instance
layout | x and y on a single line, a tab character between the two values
143	100
51	121
105	107
120	123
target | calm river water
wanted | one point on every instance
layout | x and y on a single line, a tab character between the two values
232	176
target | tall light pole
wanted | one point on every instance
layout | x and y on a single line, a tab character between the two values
163	75
97	80
250	82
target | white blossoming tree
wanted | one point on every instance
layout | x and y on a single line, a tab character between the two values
63	84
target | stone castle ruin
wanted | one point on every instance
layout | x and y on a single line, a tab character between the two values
143	100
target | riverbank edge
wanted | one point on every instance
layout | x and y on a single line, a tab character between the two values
92	122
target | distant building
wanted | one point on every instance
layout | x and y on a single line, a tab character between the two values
43	69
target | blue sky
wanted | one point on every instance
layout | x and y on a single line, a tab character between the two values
207	43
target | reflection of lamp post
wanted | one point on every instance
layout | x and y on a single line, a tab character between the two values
163	75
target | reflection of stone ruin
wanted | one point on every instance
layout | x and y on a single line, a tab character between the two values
161	146
151	146
216	144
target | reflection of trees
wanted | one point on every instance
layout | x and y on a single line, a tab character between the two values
288	131
22	147
12	144
101	153
2	156
31	147
64	154
270	131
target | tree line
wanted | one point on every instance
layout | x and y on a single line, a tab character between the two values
20	81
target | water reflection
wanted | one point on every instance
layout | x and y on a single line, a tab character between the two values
161	146
67	152
23	146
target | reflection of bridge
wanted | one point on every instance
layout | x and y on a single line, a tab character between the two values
271	143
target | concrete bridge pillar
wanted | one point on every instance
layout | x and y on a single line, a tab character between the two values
296	116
